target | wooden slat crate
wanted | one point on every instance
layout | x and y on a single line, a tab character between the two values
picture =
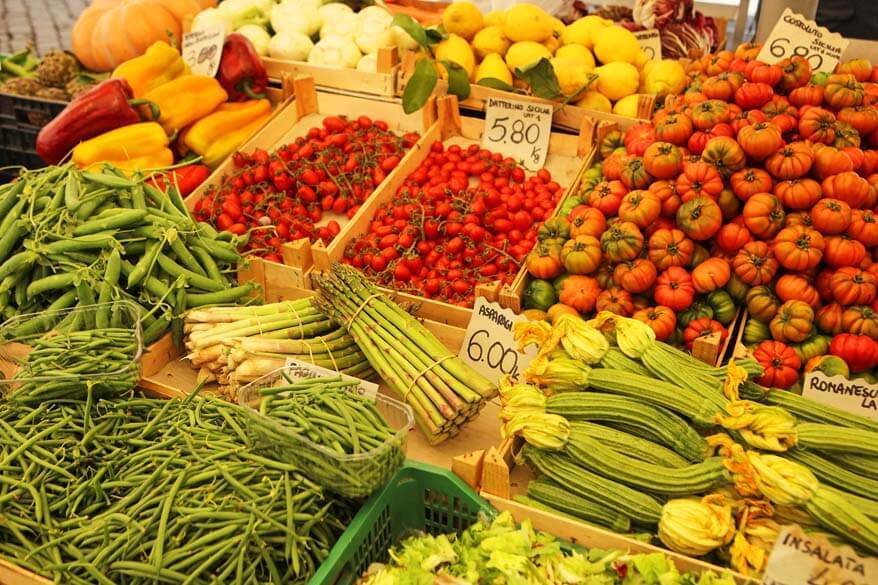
349	81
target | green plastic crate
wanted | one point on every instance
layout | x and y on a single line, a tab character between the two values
418	498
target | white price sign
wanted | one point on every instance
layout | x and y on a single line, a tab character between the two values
799	559
202	50
488	344
651	42
795	35
299	370
519	129
854	396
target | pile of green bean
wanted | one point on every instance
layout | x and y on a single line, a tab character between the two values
138	490
69	237
323	425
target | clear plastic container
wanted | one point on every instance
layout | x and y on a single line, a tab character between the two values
354	476
19	335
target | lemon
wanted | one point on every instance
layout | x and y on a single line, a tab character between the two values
641	60
594	101
627	106
573	76
616	80
463	19
495	18
526	22
456	49
579	53
494	67
583	30
663	77
554	41
522	54
490	40
614	43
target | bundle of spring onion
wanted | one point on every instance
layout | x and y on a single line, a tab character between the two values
324	426
235	345
443	391
136	490
71	237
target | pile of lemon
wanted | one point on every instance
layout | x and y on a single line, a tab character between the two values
493	46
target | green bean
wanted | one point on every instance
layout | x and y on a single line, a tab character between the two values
193	278
230	295
120	218
62	280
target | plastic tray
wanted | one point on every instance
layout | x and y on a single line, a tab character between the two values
419	498
21	118
354	476
19	331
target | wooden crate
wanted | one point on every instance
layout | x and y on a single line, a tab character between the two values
350	81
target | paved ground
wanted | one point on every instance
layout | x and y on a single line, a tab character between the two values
45	23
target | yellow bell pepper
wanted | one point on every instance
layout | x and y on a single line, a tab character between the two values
186	99
160	64
144	143
219	134
157	160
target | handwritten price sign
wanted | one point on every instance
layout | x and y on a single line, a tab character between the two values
799	559
202	50
299	370
651	42
488	344
854	396
794	35
518	129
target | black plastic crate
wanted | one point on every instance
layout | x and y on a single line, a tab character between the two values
21	119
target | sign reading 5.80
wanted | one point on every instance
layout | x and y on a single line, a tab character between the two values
519	129
796	36
488	344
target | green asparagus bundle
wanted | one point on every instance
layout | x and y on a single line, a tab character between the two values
443	391
237	345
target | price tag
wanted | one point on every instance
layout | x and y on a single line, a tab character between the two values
651	42
299	370
795	35
488	344
854	396
202	50
518	129
799	559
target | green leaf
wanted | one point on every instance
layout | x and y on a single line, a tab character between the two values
458	80
415	30
541	78
435	35
419	86
495	83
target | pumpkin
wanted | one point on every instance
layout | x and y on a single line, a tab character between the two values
725	155
842	250
538	294
731	237
755	264
722	87
843	90
698	179
800	193
828	318
640	207
863	118
753	95
711	274
759	141
606	197
798	248
763	215
674	289
809	95
860	320
762	304
755	332
858	351
703	327
864	227
580	292
622	241
663	160
790	162
829	161
660	319
669	247
795	73
848	187
615	300
793	322
666	191
110	32
633	175
700	218
831	216
780	364
795	287
817	125
636	276
749	181
581	255
673	128
829	365
544	261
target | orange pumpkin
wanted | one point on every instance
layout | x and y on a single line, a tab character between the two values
661	319
580	292
586	221
615	300
831	216
864	227
800	193
711	274
763	215
755	264
636	276
750	181
110	32
848	187
850	285
842	250
798	248
794	287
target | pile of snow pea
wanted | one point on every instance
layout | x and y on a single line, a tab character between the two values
72	238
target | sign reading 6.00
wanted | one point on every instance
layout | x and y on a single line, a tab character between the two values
519	129
796	36
489	345
481	348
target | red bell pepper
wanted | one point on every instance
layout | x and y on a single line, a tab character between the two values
241	72
186	179
107	106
